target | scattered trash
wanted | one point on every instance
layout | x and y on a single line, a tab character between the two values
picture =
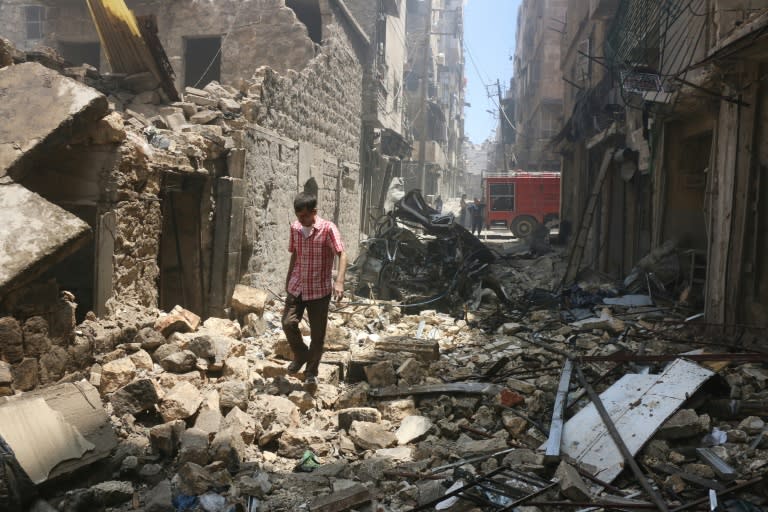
308	462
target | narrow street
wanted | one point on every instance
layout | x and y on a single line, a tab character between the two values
557	304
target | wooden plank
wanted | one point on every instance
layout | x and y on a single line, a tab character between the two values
103	270
425	350
469	388
552	453
342	500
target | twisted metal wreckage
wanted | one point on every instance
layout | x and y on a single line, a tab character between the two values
445	267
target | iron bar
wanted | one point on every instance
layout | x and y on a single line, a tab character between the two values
628	458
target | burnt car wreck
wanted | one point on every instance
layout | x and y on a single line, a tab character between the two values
425	260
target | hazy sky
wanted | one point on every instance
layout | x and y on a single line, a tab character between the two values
489	35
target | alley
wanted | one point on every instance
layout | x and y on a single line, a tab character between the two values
569	314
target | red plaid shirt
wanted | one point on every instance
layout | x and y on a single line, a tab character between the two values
312	275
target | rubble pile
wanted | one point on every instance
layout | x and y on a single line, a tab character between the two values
209	418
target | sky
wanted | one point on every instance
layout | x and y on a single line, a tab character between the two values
489	35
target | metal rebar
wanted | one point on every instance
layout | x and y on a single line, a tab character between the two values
628	458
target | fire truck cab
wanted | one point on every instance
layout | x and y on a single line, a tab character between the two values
521	200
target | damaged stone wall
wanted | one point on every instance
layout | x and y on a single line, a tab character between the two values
321	107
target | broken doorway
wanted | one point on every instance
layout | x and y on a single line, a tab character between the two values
183	262
202	60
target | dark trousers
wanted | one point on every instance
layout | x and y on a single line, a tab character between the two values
477	224
317	311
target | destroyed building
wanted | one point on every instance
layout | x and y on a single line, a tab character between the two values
663	143
143	255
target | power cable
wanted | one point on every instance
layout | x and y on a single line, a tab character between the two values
223	41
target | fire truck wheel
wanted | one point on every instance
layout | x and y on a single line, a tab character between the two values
523	226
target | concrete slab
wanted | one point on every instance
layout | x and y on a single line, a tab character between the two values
45	108
35	233
63	428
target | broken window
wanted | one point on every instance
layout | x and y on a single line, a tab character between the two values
502	197
308	12
202	61
34	15
81	53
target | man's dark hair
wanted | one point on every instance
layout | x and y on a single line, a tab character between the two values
304	201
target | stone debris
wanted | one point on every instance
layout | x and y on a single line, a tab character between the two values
207	409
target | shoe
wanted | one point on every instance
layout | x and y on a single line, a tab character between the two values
310	380
295	366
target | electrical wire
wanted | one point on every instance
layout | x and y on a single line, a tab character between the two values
223	41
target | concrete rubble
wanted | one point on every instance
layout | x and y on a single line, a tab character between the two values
244	432
411	401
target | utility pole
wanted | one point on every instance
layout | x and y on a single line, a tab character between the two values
502	119
424	93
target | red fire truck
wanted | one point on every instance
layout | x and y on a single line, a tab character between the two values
521	200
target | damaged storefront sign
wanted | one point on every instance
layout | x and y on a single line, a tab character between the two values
445	266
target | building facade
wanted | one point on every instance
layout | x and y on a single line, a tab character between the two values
664	148
535	105
434	89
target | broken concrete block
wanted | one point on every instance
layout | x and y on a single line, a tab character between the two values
164	351
223	327
237	368
202	346
159	498
140	82
412	429
195	91
11	340
467	447
354	396
177	320
302	399
217	90
228	447
522	386
142	360
229	105
194	480
371	436
187	108
181	402
6	374
366	414
53	365
138	396
234	393
274	410
209	418
116	374
25	374
572	486
36	342
205	117
30	89
684	423
165	438
243	423
149	339
175	122
381	375
109	494
151	474
180	362
509	328
194	447
411	371
248	300
752	425
293	442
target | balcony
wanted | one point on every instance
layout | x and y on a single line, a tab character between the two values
433	155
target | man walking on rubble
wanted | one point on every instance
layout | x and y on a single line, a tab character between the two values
314	244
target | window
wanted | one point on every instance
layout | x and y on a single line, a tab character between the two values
502	197
34	16
202	62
